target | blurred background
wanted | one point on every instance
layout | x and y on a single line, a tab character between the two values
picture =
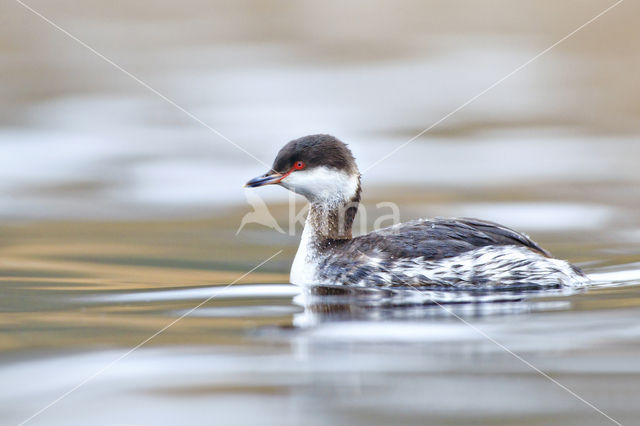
81	139
119	206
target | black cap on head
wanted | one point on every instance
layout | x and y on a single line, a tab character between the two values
314	151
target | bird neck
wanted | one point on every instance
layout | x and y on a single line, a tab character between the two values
333	220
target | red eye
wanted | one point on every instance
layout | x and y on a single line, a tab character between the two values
299	165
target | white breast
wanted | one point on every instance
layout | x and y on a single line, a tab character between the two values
305	265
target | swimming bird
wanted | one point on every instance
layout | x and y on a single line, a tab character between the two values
440	252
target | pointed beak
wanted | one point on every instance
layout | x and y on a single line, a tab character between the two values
265	179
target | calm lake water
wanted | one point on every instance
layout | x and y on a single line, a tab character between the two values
76	297
119	213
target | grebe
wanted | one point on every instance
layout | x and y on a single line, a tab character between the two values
456	253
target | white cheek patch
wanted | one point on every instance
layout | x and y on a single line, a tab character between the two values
322	184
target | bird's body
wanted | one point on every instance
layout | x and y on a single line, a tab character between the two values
455	253
458	253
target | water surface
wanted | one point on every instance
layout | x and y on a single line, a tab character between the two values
78	296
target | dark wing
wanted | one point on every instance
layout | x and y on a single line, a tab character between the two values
440	238
504	235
